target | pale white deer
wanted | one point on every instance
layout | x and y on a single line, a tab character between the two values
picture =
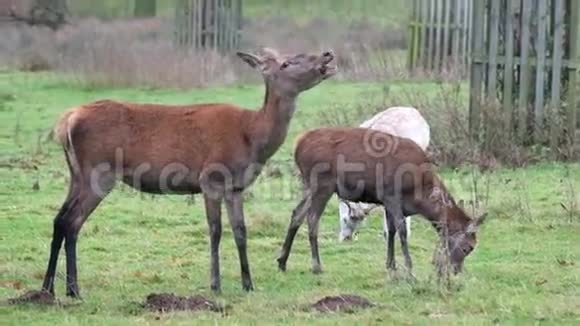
399	121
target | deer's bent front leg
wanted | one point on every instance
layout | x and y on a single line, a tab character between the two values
298	215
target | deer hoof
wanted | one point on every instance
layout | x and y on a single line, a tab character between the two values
281	265
317	269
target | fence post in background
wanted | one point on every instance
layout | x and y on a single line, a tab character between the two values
182	18
447	30
208	24
493	39
438	28
510	23
456	34
554	114
540	69
524	70
413	37
439	35
477	67
423	51
572	115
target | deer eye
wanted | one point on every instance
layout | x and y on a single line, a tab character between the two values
284	65
468	249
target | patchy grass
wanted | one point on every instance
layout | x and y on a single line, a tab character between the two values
524	270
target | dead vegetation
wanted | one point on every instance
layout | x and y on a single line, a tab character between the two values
141	52
446	111
167	302
34	297
342	303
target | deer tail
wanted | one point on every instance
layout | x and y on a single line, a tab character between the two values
62	134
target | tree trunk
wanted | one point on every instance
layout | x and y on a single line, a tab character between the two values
145	8
50	13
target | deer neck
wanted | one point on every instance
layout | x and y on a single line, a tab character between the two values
448	220
272	124
440	209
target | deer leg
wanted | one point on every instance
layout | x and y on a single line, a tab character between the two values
402	229
318	204
385	226
88	200
296	220
57	240
213	213
58	228
234	204
391	232
394	209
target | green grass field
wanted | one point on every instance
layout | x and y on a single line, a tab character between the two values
524	271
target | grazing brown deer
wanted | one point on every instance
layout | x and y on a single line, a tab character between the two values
216	149
364	165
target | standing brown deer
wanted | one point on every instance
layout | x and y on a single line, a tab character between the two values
216	149
365	165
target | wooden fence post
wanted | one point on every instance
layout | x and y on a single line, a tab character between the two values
524	70
540	69
439	35
572	71
213	24
508	85
477	67
557	53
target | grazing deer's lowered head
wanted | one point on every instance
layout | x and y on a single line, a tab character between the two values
213	148
458	229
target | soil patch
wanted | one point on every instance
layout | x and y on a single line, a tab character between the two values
342	303
164	302
34	296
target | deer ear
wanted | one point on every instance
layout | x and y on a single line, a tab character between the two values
252	60
471	228
474	226
271	53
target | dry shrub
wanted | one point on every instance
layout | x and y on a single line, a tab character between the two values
137	52
451	143
446	111
28	48
365	50
140	52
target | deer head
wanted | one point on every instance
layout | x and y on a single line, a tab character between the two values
462	243
290	75
351	216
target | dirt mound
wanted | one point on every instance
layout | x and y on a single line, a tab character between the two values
343	303
165	302
34	296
